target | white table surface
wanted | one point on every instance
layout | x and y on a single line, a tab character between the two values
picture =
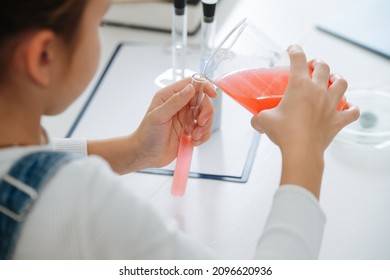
229	217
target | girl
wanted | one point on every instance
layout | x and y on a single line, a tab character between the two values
74	210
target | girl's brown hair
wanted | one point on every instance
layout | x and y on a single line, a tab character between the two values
19	16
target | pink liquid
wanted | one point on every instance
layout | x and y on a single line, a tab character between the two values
260	88
184	154
183	163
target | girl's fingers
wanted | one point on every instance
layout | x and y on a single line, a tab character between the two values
202	131
320	72
298	62
338	87
165	93
206	111
338	83
174	104
349	115
261	120
202	134
209	90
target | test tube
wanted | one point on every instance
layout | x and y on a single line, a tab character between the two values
179	39
184	154
208	25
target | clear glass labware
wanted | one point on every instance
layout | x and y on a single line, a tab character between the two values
250	68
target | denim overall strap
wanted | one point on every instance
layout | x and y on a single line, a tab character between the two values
19	190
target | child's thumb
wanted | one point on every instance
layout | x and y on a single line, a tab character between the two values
257	122
175	103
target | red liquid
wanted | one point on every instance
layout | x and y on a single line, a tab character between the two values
260	88
183	164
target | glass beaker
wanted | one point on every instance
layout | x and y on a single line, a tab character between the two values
251	69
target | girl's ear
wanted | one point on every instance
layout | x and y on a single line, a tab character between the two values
40	51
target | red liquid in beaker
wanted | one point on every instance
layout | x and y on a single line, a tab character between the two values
259	88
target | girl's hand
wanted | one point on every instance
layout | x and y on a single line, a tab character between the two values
159	133
307	114
306	120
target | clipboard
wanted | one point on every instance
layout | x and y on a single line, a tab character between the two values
123	92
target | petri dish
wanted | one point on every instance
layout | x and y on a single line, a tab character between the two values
372	130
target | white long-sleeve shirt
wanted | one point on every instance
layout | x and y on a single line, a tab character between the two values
80	215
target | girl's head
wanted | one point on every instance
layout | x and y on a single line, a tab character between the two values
61	16
50	45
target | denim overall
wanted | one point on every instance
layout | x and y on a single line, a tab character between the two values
19	189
